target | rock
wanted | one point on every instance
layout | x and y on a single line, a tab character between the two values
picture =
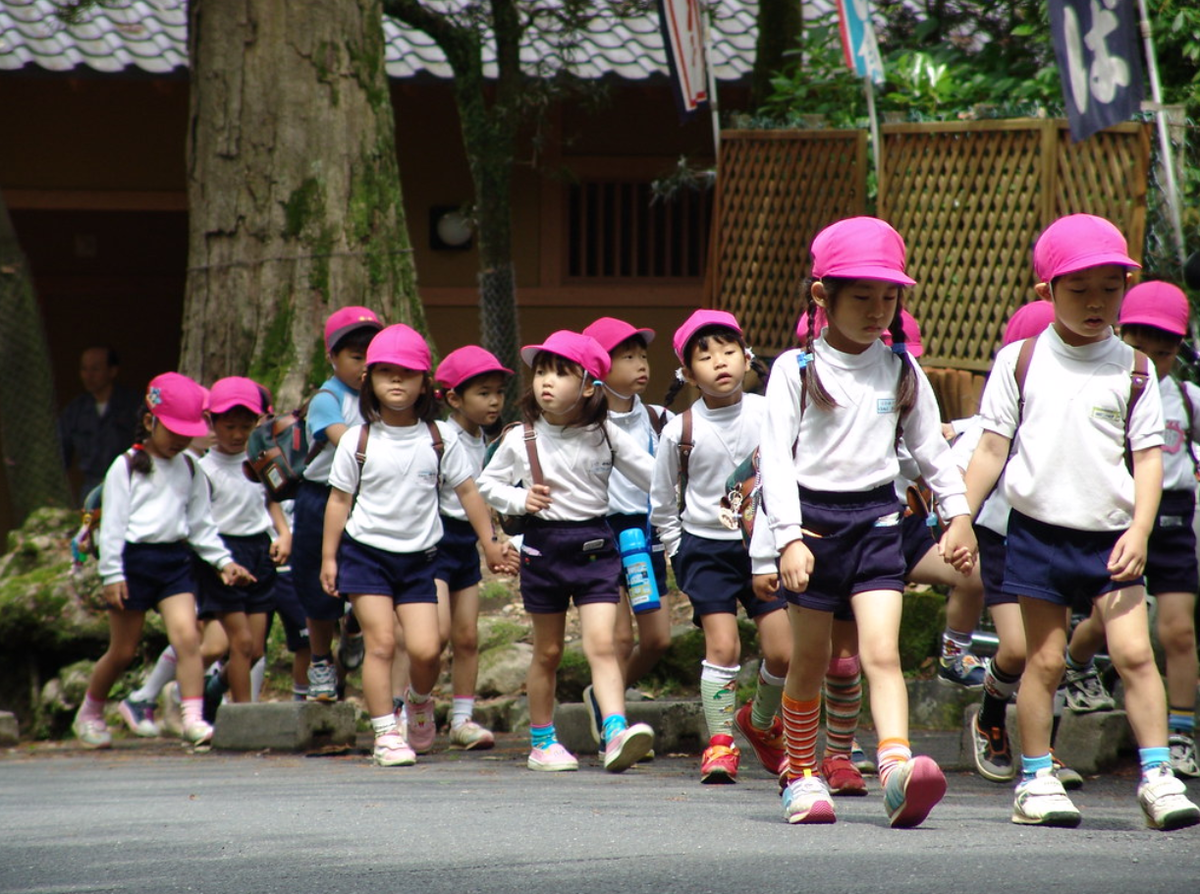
502	670
285	726
10	731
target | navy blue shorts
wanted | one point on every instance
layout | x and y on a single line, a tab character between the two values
1061	565
991	567
1171	559
308	530
856	542
715	576
916	540
561	560
458	555
290	611
658	553
368	570
253	554
154	571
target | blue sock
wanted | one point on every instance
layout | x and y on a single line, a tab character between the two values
1181	720
614	725
1031	765
542	736
1153	757
1074	665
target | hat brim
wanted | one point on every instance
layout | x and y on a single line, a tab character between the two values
226	405
1156	322
182	428
1099	260
885	274
529	352
338	334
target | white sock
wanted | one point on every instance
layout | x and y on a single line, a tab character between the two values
384	724
257	673
461	710
162	674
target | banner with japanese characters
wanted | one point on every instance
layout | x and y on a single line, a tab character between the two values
1099	61
684	39
859	46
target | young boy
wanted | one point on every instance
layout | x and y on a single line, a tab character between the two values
331	411
1154	320
1080	519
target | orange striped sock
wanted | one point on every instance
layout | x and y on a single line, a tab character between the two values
800	722
890	754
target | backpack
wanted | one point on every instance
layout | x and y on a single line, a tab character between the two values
279	451
743	497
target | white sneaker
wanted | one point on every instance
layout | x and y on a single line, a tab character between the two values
471	735
1183	755
807	800
392	751
92	733
628	747
553	758
197	732
1164	800
1042	801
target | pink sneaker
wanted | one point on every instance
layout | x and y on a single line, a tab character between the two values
392	751
422	726
628	747
553	758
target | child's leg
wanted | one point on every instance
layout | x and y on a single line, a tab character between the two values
597	621
213	642
811	631
653	640
422	641
1005	669
963	608
542	677
1126	625
124	632
718	675
842	689
1046	640
241	653
376	617
1177	633
623	640
877	614
775	640
162	674
179	619
399	665
464	637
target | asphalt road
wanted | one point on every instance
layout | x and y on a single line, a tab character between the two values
153	817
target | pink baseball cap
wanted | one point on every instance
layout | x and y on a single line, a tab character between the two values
697	321
575	346
912	331
1158	304
1076	242
235	391
860	248
345	320
610	332
400	345
1029	320
465	363
178	403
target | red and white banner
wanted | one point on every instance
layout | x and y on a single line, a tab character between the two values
684	38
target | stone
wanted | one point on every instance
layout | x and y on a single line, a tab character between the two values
678	725
10	731
285	726
502	670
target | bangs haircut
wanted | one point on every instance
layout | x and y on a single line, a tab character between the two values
476	379
1146	332
593	411
426	407
354	340
634	341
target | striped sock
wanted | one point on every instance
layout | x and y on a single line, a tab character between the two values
718	691
542	736
1181	720
766	698
843	702
890	754
1150	758
1031	765
999	686
800	722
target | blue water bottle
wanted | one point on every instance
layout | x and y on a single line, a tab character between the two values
639	572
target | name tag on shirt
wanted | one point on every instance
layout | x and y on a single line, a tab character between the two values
1107	415
885	405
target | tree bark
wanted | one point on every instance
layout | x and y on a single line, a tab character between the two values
32	454
293	187
780	24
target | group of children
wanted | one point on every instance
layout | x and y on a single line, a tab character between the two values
1047	501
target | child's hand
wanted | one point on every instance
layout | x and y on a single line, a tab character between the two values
234	575
281	549
958	547
537	498
496	556
948	431
512	559
329	576
795	566
116	594
1128	558
766	586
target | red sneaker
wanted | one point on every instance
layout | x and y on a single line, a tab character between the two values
842	777
719	763
767	744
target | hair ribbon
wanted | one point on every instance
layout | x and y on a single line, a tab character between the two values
804	358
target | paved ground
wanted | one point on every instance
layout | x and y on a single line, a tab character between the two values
151	816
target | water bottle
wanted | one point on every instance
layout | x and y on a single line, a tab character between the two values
639	572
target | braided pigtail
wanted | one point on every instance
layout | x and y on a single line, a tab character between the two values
906	386
675	388
762	372
810	379
141	461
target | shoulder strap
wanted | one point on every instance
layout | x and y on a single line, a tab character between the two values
301	415
435	435
1139	377
685	451
1190	412
656	419
535	466
1021	372
360	455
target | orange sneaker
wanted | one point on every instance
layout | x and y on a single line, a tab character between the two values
842	777
719	763
767	744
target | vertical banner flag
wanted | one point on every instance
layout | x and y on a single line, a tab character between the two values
858	39
683	37
1099	62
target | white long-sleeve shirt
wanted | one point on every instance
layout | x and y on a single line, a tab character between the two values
993	514
474	447
239	505
397	504
1068	465
1179	470
851	448
577	465
721	439
624	497
166	505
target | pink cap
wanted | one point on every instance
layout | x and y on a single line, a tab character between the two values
860	248
1158	304
610	332
466	362
402	346
1076	242
178	403
345	320
912	331
235	391
1029	320
697	321
575	346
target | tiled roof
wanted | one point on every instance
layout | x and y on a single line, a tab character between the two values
150	36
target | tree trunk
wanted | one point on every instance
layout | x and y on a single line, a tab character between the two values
32	454
293	187
780	24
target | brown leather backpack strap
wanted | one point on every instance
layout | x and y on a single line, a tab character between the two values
685	451
1021	372
656	418
360	455
439	448
1139	378
535	466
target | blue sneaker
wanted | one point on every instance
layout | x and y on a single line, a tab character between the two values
595	718
963	669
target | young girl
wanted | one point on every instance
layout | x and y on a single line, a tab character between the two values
837	409
628	505
711	563
474	381
155	505
1080	518
245	518
565	453
382	525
